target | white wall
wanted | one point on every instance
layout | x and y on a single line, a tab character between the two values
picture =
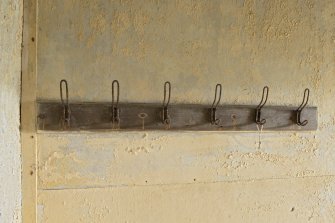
10	74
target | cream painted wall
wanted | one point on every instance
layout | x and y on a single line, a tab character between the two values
10	73
188	177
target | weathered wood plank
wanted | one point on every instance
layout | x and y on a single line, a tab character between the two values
94	116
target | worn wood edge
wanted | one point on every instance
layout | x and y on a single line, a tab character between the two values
174	105
97	131
28	113
286	107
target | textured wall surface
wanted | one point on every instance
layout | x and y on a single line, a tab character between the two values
188	177
10	73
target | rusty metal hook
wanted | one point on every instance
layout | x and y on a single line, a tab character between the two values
214	120
165	113
115	105
66	107
301	107
265	94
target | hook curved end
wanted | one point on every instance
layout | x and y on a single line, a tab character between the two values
299	122
301	108
264	99
304	123
213	119
261	122
216	122
167	121
165	116
217	99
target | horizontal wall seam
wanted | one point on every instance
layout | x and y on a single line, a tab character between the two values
191	183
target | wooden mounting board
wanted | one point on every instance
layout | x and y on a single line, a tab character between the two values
187	117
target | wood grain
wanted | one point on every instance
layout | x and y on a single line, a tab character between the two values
188	117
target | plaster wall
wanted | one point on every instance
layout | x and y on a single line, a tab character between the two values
188	177
10	76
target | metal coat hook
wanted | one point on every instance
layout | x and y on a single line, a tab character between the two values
301	107
265	94
66	107
165	113
61	116
115	105
214	120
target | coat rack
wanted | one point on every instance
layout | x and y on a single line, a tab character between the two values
115	116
